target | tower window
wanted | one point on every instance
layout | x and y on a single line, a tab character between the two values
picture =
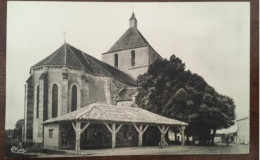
37	101
74	98
116	60
50	133
133	58
54	100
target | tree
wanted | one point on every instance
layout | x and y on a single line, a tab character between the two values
170	90
17	133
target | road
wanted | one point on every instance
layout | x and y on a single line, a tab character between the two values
171	150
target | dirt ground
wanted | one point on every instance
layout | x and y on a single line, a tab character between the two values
171	150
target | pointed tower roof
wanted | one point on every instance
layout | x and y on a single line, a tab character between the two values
132	38
71	57
133	16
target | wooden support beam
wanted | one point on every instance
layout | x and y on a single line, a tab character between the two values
85	127
110	130
73	125
145	128
113	131
163	131
179	128
113	135
182	135
137	129
159	129
141	131
166	130
78	133
118	128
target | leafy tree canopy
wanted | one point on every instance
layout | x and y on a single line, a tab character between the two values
170	90
17	133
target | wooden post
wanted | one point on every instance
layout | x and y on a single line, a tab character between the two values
140	131
113	135
113	131
163	132
140	138
78	132
182	135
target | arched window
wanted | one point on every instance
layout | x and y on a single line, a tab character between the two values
74	98
116	60
54	100
37	101
133	58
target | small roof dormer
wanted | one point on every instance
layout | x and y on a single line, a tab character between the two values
133	21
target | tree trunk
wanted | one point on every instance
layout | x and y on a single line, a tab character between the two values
175	137
213	136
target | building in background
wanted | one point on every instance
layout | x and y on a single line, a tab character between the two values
243	130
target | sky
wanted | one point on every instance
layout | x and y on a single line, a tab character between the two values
212	38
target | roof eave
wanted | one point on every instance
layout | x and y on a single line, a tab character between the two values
125	49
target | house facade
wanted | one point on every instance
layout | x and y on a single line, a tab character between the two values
73	100
242	130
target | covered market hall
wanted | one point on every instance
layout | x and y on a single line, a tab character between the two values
104	126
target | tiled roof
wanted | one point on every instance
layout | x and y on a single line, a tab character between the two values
126	94
70	56
132	38
109	113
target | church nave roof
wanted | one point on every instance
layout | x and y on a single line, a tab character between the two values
69	56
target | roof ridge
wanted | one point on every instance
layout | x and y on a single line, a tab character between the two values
118	71
54	54
131	38
84	112
76	57
142	36
98	64
75	51
119	39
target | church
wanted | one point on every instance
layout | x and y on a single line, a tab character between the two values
75	101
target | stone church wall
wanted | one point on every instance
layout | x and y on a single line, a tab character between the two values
153	55
115	88
90	89
29	108
124	60
37	138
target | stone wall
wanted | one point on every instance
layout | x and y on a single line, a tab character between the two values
153	55
29	109
90	89
51	141
124	103
138	71
124	60
115	88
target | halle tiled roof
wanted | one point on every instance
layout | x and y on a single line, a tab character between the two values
132	38
126	94
109	113
70	56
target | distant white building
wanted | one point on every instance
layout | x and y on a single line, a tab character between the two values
243	130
